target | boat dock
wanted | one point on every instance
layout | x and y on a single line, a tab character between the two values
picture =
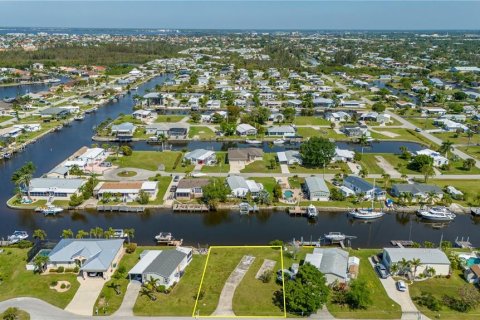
297	211
402	243
120	209
464	244
190	208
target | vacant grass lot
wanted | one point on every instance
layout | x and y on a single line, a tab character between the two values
252	297
473	151
203	133
263	165
314	121
402	135
179	302
439	287
471	188
18	282
457	138
382	308
150	160
169	118
307	132
331	168
456	167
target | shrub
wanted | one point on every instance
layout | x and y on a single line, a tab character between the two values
76	269
53	283
429	301
201	295
24	244
161	289
266	276
131	247
63	286
60	269
75	200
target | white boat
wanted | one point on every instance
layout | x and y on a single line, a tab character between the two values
253	141
17	236
49	209
335	236
436	214
279	141
118	233
312	212
164	236
367	214
79	117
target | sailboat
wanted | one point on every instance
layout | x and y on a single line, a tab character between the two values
367	214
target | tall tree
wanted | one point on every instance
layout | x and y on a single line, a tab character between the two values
317	152
39	234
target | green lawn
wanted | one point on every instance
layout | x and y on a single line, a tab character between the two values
382	308
18	282
439	287
456	167
296	182
21	315
252	297
5	118
127	118
473	151
307	132
262	165
422	123
163	183
108	294
150	160
33	205
221	166
314	121
457	138
369	162
179	302
268	183
331	168
401	134
471	188
169	118
203	133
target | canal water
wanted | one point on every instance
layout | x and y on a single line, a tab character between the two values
17	90
228	228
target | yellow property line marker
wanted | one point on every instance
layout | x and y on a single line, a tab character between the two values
237	247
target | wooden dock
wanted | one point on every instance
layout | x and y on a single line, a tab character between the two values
402	243
120	209
297	211
464	244
190	208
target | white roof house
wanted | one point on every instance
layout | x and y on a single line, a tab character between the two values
239	186
434	258
44	188
201	156
244	129
289	157
438	159
343	155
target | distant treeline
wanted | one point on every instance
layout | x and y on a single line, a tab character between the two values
106	54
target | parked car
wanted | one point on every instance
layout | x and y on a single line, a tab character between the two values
401	286
176	179
418	130
105	164
94	274
173	188
381	270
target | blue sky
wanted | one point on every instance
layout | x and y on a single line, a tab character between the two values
231	14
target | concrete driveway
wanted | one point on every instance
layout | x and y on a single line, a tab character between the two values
84	300
126	308
225	302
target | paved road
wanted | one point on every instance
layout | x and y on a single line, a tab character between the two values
141	175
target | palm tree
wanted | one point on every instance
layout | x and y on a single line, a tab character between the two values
96	232
130	233
162	138
386	180
363	172
415	263
394	269
24	181
39	234
468	164
81	234
446	147
427	171
67	234
40	263
469	135
431	271
109	233
148	293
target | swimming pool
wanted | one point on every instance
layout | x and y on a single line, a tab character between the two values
44	252
288	194
471	261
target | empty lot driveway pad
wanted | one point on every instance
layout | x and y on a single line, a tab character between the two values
225	303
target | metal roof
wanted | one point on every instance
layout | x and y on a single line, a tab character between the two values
426	256
329	261
165	263
316	184
55	183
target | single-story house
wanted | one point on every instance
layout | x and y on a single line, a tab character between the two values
332	262
124	131
438	159
142	114
323	102
472	274
99	256
244	155
434	110
352	104
343	155
127	191
276	117
87	157
289	157
417	190
213	104
168	266
339	116
190	188
61	189
240	187
58	172
429	258
167	129
54	112
450	125
153	98
316	189
404	104
201	156
356	131
360	186
244	129
282	131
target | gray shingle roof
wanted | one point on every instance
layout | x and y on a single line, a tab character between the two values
166	263
416	188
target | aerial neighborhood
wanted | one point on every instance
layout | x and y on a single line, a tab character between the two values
235	174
